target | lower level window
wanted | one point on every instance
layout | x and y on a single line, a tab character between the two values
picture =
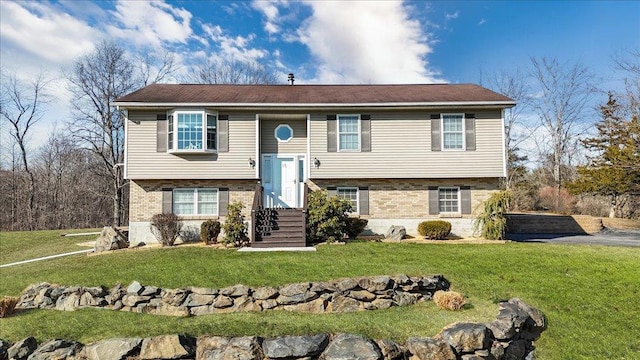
449	200
198	201
351	194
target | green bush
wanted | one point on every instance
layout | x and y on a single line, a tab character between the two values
166	228
354	226
209	231
434	229
235	229
326	217
492	222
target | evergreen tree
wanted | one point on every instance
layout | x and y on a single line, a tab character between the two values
614	171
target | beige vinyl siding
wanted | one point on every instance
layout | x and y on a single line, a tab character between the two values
269	144
401	148
143	162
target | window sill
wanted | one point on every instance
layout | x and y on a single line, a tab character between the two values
199	217
192	152
450	215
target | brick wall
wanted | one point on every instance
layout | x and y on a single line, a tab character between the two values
409	198
146	195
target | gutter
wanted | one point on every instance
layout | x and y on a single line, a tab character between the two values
135	104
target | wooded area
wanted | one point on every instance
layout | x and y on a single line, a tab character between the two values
73	178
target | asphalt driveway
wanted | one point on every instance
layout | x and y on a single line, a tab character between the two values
608	237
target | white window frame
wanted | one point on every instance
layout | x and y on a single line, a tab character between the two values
275	132
442	132
459	196
359	136
173	117
195	201
357	208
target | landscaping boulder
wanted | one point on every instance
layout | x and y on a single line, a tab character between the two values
429	349
56	349
111	239
22	349
466	337
287	347
351	346
222	348
396	233
391	350
112	349
167	347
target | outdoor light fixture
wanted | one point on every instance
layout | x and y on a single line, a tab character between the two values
316	162
252	163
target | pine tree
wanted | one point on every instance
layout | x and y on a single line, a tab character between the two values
614	170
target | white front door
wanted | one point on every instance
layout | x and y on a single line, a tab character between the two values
282	179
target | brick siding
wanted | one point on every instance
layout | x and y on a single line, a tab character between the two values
409	198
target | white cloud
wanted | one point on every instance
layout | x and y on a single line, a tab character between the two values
450	16
237	48
482	21
269	9
380	45
40	35
151	23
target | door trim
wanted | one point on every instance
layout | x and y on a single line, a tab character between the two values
268	186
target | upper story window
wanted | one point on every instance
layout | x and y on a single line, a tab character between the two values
348	132
452	131
351	194
191	131
283	133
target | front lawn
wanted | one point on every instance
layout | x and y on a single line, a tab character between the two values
23	245
588	293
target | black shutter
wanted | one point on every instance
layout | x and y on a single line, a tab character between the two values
332	137
223	201
167	200
223	133
332	191
161	133
435	133
365	133
465	199
470	131
434	201
363	199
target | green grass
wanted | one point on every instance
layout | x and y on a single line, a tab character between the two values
588	293
23	245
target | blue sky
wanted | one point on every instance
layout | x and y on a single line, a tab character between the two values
324	41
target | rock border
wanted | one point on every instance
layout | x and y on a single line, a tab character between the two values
337	296
510	336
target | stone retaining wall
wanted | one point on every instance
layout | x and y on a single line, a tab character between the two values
510	336
344	295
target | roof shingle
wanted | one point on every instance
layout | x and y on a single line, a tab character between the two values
312	94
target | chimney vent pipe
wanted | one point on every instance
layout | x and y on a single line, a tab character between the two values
291	79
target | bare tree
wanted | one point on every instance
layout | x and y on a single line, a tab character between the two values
628	65
564	91
515	85
96	80
155	67
230	72
21	107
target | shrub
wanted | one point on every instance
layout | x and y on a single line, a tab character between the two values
166	228
492	222
354	226
448	300
235	229
434	229
8	305
557	201
209	231
326	217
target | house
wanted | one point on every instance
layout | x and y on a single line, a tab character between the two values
400	153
